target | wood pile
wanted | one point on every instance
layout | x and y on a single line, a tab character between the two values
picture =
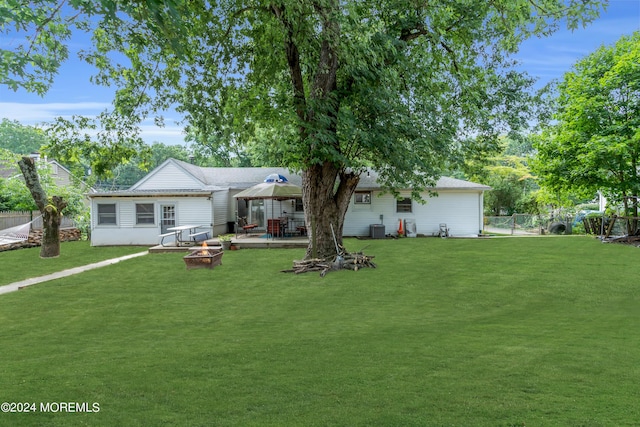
627	240
309	265
357	260
348	261
35	239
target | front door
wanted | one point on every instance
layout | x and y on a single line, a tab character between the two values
168	218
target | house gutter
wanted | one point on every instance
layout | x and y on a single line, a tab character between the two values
122	194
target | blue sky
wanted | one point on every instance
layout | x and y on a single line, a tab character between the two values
545	58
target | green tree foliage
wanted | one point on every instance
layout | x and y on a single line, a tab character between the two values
14	194
505	169
20	139
513	187
595	144
127	174
41	32
336	86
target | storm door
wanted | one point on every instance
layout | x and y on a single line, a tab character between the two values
168	217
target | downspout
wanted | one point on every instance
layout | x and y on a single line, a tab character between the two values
213	212
91	219
481	212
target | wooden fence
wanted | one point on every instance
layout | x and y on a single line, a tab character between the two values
10	219
611	225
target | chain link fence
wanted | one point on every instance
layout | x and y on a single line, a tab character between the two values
527	224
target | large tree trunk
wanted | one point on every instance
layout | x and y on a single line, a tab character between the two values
326	186
51	210
326	192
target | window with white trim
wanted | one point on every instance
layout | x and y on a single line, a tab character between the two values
107	214
145	213
362	198
403	205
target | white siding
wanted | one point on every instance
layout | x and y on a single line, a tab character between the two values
189	211
127	213
221	208
360	216
458	209
170	177
192	210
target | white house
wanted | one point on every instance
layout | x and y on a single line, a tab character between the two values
178	193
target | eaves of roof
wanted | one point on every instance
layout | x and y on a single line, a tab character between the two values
155	193
369	182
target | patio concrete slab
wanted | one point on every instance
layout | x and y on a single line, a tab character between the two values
243	242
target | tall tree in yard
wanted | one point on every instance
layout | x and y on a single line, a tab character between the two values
394	85
595	144
50	207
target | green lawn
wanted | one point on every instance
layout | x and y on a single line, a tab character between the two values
446	332
26	263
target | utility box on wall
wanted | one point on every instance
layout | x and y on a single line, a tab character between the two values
376	231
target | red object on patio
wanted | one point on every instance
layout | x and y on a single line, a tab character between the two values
400	229
274	227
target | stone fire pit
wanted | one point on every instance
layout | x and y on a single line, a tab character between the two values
204	257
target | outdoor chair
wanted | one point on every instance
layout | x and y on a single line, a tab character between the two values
274	227
242	222
443	231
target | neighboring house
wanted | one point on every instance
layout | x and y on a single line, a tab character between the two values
177	193
61	175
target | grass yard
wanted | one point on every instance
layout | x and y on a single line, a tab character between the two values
446	332
23	264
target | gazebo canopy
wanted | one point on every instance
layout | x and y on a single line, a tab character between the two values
271	190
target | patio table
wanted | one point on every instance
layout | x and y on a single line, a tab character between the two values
178	233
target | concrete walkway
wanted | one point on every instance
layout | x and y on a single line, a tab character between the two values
64	273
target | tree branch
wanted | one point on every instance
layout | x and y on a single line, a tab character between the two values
293	60
30	173
408	34
40	28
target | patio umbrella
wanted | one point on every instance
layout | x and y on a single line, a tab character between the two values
276	177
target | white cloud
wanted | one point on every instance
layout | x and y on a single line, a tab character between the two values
32	113
35	114
169	135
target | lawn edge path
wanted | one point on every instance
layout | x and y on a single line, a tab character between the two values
64	273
